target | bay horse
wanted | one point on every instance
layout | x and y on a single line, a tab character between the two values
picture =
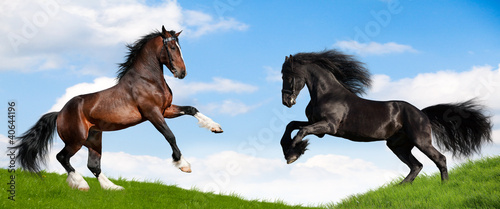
141	94
335	80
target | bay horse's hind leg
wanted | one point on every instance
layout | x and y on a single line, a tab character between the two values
402	147
94	144
74	180
73	131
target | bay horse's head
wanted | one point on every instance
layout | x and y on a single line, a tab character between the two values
292	82
171	55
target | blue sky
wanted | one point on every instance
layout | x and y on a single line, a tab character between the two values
424	52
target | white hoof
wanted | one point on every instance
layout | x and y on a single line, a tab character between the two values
107	184
206	122
76	181
183	165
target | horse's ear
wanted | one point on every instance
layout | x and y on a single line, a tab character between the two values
290	57
163	32
179	33
286	58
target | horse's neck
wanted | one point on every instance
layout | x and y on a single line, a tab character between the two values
147	67
321	83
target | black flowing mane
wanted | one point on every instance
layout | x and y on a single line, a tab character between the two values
348	71
134	50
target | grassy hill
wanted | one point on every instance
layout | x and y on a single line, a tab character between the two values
471	185
51	191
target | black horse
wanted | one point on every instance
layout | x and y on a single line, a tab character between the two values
335	80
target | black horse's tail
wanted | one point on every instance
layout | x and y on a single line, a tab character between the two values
34	144
461	127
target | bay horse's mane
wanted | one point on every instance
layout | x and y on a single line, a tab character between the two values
348	71
134	50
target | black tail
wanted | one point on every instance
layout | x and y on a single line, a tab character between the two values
35	142
460	128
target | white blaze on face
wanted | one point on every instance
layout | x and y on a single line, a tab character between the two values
180	52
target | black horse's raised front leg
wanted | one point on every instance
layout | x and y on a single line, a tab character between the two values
298	146
286	141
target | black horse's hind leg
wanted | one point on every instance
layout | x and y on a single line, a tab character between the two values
436	157
423	141
402	148
94	143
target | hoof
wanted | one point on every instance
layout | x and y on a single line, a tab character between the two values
107	184
291	159
183	165
206	122
83	189
115	188
76	181
185	169
217	130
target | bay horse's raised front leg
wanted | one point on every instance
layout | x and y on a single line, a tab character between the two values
298	146
203	121
156	118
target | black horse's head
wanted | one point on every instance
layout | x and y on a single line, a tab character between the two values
292	82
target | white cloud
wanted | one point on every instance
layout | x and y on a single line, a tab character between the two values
99	84
374	48
205	23
229	107
39	32
496	136
482	82
183	90
219	85
272	75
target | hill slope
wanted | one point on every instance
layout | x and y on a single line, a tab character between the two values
472	185
51	191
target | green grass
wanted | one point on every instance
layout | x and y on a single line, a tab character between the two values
471	185
51	191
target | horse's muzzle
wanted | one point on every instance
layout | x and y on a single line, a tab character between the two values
289	100
178	74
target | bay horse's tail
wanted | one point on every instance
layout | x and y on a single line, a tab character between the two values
460	128
34	143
